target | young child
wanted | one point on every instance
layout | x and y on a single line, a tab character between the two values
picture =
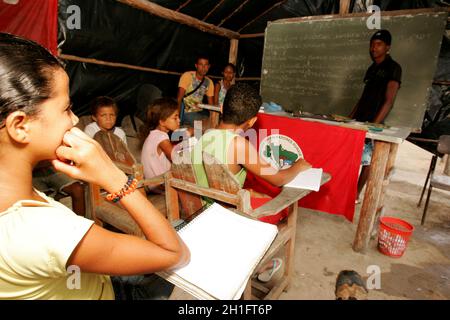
162	117
43	244
240	109
104	112
220	90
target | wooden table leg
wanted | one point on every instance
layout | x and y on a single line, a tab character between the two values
372	195
387	178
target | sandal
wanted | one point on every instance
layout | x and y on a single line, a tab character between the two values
265	276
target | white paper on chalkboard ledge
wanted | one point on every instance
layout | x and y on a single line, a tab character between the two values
309	179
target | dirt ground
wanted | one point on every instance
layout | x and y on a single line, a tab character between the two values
324	243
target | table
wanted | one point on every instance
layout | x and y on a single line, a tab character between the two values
383	158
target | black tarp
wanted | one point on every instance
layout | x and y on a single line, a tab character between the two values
115	32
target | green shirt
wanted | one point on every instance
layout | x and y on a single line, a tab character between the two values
216	142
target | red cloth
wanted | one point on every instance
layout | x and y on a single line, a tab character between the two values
273	219
32	19
336	149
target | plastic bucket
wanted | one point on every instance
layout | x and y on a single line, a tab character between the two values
393	236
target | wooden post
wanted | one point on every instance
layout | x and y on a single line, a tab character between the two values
232	58
290	247
182	18
344	6
372	195
387	177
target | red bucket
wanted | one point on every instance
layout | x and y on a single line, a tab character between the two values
393	236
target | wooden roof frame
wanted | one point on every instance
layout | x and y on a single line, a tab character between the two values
174	15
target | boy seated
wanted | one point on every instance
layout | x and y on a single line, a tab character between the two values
104	112
240	110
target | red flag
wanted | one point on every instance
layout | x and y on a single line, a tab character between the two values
336	149
32	19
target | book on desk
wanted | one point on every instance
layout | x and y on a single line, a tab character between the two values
225	250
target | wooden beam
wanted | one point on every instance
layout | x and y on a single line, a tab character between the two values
213	9
262	14
371	196
248	79
121	65
232	58
183	5
364	14
182	18
114	64
237	10
344	6
252	35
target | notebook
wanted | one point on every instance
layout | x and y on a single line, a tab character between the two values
309	179
225	250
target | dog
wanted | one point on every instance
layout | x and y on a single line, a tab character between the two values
350	286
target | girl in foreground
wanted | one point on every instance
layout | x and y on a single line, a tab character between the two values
47	251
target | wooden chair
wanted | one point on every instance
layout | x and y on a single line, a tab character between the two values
225	189
113	214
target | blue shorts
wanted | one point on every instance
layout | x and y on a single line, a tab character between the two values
190	117
367	153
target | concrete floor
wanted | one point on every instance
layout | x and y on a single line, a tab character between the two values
324	243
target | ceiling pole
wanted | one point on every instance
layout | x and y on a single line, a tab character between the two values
179	17
238	9
234	43
213	9
344	6
262	14
183	5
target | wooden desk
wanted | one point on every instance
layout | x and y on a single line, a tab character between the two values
383	158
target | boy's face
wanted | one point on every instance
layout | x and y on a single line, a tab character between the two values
105	117
202	67
378	49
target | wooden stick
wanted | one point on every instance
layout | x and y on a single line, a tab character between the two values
237	10
344	7
364	14
252	35
114	64
442	82
262	14
121	65
232	57
214	9
248	79
372	195
183	5
182	18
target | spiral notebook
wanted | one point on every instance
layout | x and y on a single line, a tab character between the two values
225	250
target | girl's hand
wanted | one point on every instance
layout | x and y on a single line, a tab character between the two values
82	158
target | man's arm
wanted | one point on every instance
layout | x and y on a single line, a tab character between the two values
391	92
181	92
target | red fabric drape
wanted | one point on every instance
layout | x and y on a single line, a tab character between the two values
32	19
336	149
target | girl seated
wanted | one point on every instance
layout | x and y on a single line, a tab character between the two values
46	250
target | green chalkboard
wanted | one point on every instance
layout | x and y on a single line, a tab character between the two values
317	64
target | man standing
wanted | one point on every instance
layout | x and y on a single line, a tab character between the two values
192	87
382	81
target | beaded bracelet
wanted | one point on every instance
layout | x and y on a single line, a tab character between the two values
128	188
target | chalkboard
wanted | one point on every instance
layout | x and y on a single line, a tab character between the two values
317	64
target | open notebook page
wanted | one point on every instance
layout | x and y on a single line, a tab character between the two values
309	179
225	249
